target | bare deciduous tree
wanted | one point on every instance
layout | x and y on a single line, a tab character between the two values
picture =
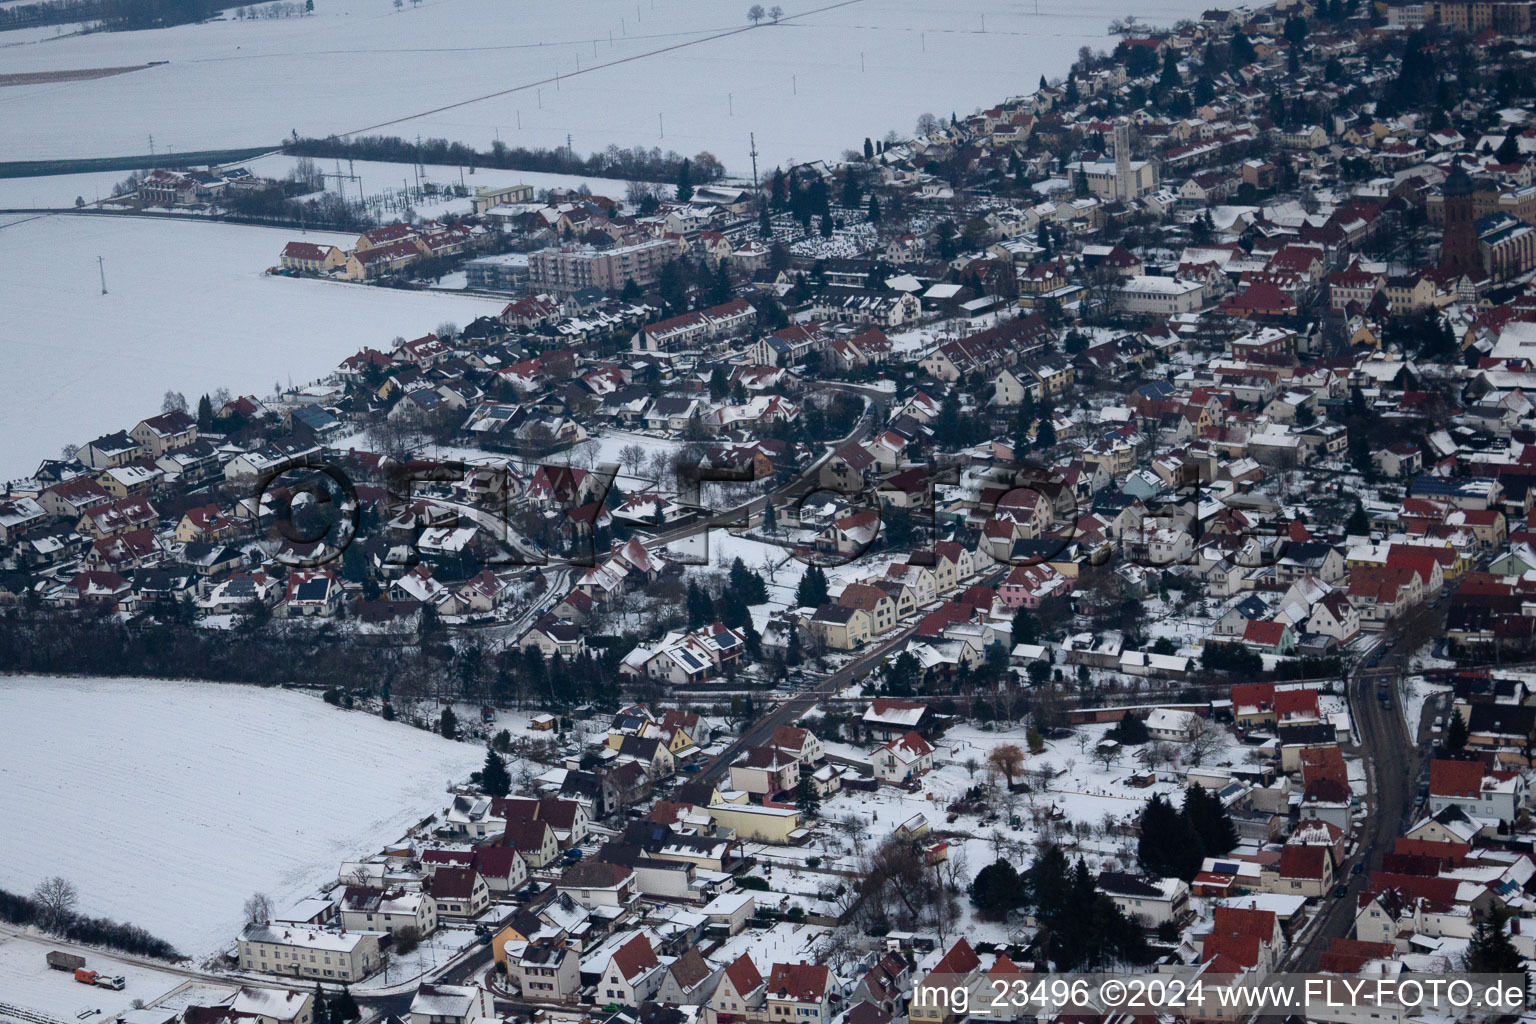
57	898
1204	741
258	908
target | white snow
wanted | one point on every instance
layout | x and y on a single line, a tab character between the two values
27	981
188	308
671	74
168	803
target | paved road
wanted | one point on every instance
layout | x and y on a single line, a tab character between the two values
791	709
1393	758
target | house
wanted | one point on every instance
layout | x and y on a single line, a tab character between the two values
1303	870
729	912
890	718
765	771
1398	460
872	600
1171	725
567	818
166	432
839	627
304	952
1248	937
689	980
109	451
930	1003
801	744
1269	637
903	759
271	1006
802	992
1475	789
1150	901
779	825
311	258
633	975
740	995
312	592
69	499
366	909
547	970
459	892
450	1004
534	840
551	637
594	884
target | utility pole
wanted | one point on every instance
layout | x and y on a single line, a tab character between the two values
661	125
753	137
101	267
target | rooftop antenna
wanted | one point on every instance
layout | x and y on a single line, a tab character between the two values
101	267
753	137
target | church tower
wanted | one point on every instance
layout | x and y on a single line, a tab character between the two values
1124	188
1458	246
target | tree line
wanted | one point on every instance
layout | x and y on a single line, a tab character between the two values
112	15
639	163
51	907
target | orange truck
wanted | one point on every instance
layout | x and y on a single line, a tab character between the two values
85	976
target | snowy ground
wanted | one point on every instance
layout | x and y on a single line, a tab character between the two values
669	73
188	308
1070	810
27	981
202	793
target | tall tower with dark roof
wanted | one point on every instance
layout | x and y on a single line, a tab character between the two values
1458	246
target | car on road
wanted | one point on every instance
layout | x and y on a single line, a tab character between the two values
1340	891
1356	868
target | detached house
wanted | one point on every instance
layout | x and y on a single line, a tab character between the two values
765	771
904	759
633	974
459	892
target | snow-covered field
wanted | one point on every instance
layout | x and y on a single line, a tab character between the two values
188	308
168	803
675	74
28	982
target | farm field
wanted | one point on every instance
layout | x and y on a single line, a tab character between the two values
672	74
188	308
27	982
203	793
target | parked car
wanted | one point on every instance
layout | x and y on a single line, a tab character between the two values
1340	891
